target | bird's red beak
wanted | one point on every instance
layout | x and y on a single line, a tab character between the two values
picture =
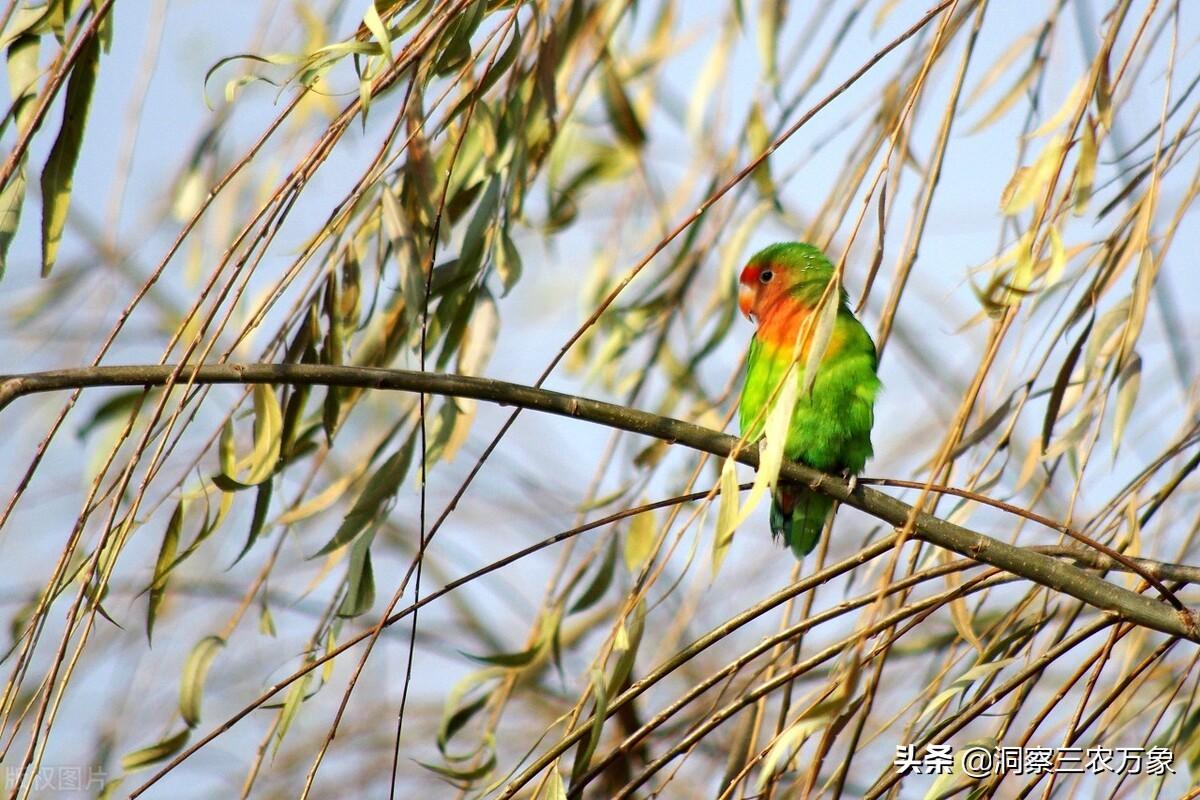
746	301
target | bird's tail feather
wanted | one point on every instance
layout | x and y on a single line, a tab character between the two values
798	516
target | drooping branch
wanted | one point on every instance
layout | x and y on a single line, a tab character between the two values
1029	564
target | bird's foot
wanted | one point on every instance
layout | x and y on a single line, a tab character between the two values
851	480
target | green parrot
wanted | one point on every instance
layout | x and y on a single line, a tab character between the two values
780	289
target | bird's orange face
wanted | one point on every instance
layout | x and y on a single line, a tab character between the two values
757	285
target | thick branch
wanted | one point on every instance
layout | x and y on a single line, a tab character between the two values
1034	566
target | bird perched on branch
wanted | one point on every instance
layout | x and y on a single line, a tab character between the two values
783	289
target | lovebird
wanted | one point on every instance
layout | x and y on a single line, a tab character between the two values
780	289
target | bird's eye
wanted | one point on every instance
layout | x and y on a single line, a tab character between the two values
765	276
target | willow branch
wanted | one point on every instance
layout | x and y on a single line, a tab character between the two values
1029	564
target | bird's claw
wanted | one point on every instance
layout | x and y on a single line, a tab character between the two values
851	481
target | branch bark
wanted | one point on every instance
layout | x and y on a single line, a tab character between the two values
1026	563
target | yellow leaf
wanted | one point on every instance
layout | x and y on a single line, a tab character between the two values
639	540
1143	282
462	427
785	747
1019	46
58	173
268	425
1104	93
189	195
715	66
1085	170
881	15
479	340
1128	383
1028	184
1032	459
960	615
775	432
324	499
621	639
194	673
826	318
727	514
1058	258
555	790
1069	106
378	29
1014	93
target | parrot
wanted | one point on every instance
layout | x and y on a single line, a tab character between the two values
780	290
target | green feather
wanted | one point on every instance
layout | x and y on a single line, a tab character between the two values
830	428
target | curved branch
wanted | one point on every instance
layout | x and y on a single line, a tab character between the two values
1031	565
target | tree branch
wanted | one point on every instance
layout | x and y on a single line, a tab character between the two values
1029	564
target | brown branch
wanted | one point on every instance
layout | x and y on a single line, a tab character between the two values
1129	564
1031	565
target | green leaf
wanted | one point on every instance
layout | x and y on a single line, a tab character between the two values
463	776
58	174
266	621
191	688
1060	385
291	705
228	484
523	658
360	580
116	407
381	487
621	113
23	74
633	640
226	452
514	660
499	68
456	714
408	260
583	755
988	425
262	504
159	751
458	719
507	260
600	583
457	49
12	196
163	566
478	230
207	529
758	138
